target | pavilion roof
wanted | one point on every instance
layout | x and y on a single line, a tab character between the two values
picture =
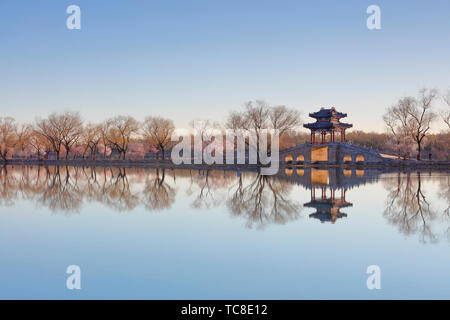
324	125
324	113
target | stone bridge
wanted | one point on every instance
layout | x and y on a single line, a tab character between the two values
331	153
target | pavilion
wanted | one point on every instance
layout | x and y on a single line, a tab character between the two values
327	122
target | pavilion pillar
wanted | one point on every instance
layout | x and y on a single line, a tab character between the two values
342	136
323	137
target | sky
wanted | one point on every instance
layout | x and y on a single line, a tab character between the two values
200	59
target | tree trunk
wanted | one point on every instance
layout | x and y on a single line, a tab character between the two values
3	155
163	153
419	149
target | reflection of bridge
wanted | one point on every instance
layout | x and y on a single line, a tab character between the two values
334	178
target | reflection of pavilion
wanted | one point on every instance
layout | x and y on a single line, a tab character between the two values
327	208
328	186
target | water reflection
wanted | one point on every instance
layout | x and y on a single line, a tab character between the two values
263	200
408	206
328	208
259	200
157	194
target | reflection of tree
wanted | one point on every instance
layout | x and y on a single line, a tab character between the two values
65	188
157	194
408	208
33	181
117	193
61	193
264	200
8	187
444	193
261	200
209	183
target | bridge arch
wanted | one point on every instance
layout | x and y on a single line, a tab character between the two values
300	159
288	159
359	159
347	159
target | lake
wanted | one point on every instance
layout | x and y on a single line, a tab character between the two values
306	233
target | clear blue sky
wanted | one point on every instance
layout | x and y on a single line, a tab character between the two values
201	58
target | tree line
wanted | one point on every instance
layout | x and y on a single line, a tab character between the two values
66	136
408	123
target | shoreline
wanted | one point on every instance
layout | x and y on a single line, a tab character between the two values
168	164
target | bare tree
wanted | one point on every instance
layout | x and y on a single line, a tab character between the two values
396	120
103	127
46	129
119	132
8	136
204	129
421	117
259	115
61	130
39	143
157	132
24	132
445	114
284	119
70	126
413	117
91	137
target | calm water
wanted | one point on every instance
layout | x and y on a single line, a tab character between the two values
188	234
